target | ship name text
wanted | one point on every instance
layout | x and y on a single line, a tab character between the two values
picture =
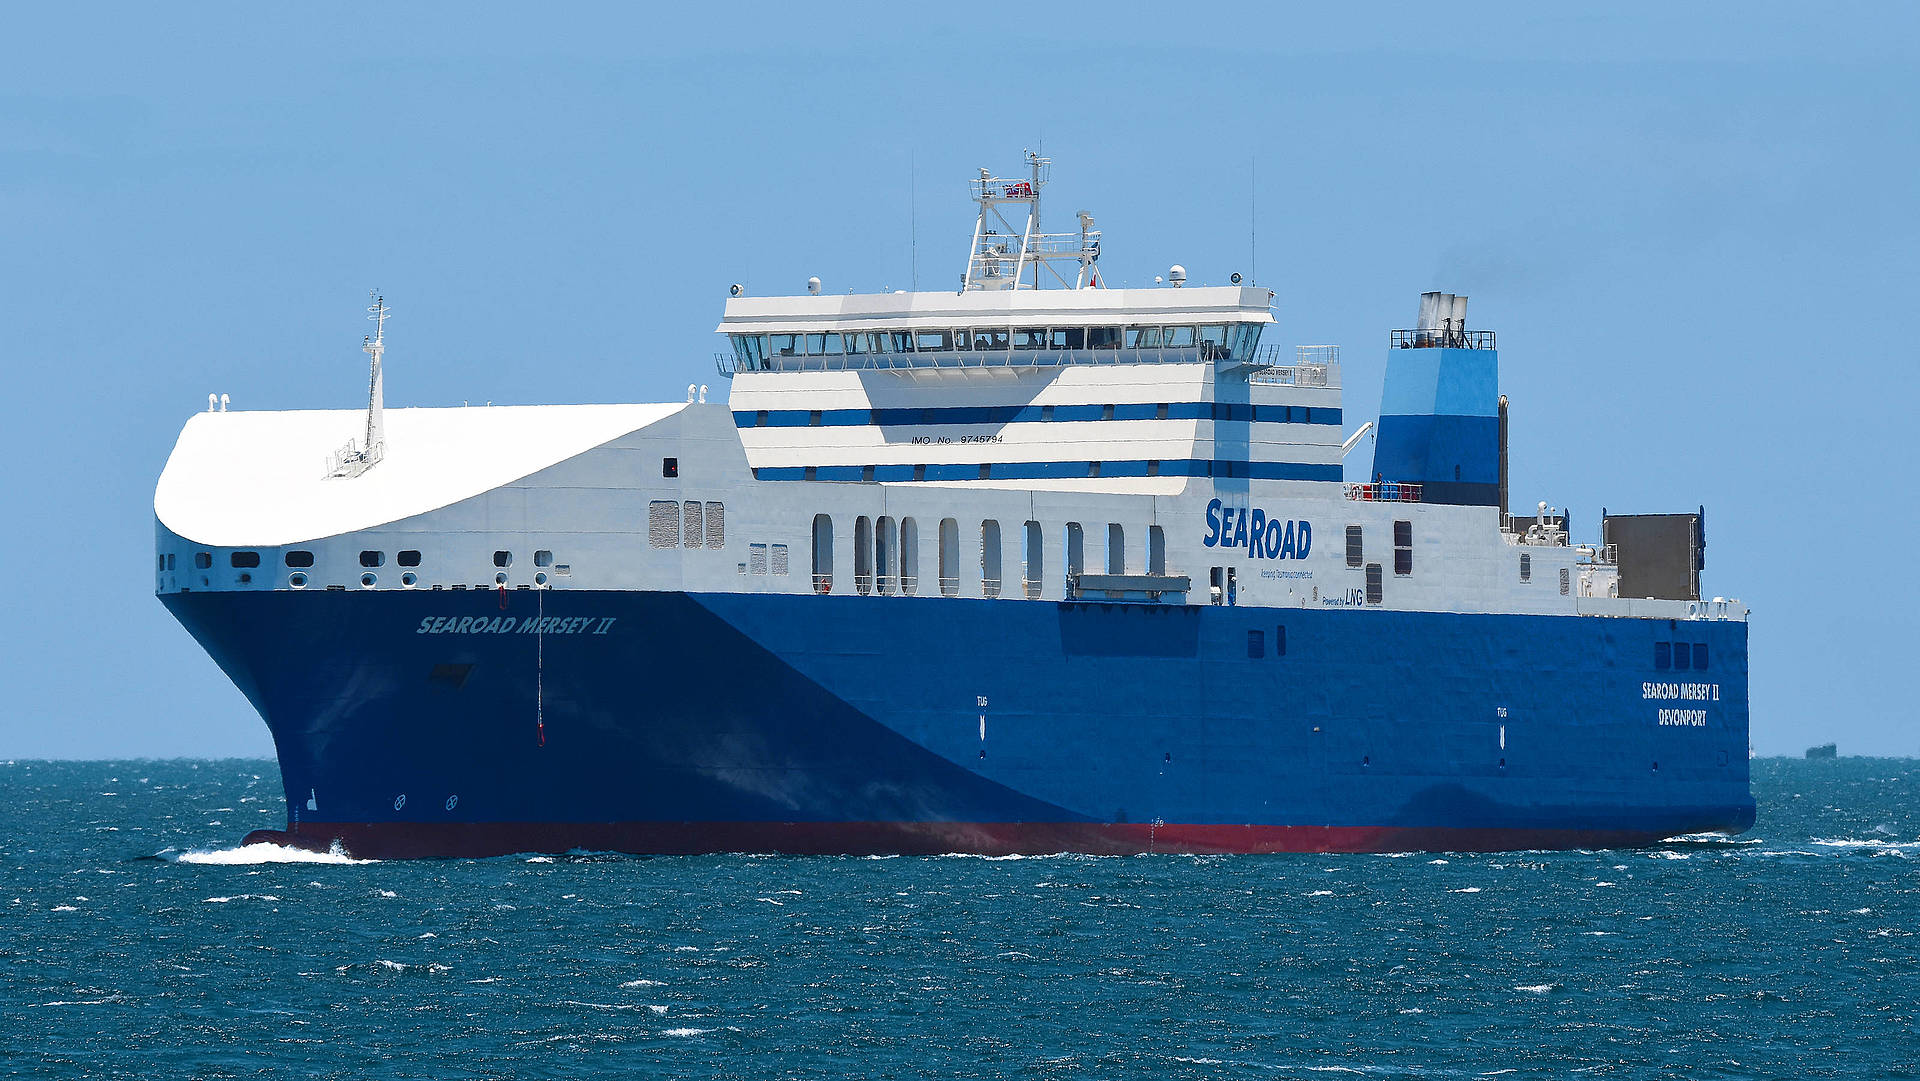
511	625
1253	530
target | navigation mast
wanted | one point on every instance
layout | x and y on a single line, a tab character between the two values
355	457
1003	253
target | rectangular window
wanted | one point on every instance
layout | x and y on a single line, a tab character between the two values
1143	337
822	553
757	558
962	339
1076	550
1682	656
670	467
1030	338
663	523
408	558
832	345
786	345
373	559
778	559
1663	655
1526	567
1156	550
855	343
1354	555
691	531
716	525
1566	581
1179	338
503	559
1700	656
1256	644
202	560
933	341
541	558
1116	549
1403	547
1280	641
1374	589
246	560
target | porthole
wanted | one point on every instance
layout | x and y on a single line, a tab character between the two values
297	580
367	580
540	579
500	579
409	579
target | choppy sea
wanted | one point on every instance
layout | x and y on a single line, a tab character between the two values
137	938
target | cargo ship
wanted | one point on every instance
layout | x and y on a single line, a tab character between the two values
1033	565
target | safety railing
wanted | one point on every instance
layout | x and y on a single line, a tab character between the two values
1031	587
1442	339
1384	492
949	587
732	364
823	583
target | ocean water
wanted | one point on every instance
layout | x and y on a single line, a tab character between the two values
138	939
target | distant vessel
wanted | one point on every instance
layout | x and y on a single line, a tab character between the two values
1825	750
1011	568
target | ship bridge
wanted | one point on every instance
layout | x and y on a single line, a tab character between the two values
1029	375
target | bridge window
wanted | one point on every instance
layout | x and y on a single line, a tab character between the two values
898	341
299	559
1103	337
862	555
1374	595
1032	543
1116	549
1213	342
949	557
1355	556
663	523
1143	337
933	341
856	343
816	344
991	339
1403	548
1179	338
909	556
885	546
990	558
823	553
962	339
1156	550
786	345
1030	338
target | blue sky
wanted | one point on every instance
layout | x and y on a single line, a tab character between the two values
1693	226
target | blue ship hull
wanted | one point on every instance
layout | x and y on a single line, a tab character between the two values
470	723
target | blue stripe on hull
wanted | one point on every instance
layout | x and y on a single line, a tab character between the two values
743	708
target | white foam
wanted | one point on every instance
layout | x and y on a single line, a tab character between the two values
240	897
63	908
260	852
1889	846
1536	988
631	984
1466	889
685	1031
1321	893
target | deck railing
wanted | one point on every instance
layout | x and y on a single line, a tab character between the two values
1391	491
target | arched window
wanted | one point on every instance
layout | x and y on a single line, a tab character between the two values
990	558
909	556
1076	550
949	557
823	553
1116	549
1032	544
1156	550
886	553
863	555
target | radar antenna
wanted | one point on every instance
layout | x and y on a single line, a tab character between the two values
356	457
1003	253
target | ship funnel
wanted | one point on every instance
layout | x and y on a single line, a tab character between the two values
1440	408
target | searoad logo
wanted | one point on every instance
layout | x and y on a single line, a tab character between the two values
1261	536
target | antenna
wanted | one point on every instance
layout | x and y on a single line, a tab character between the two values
913	217
1253	218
